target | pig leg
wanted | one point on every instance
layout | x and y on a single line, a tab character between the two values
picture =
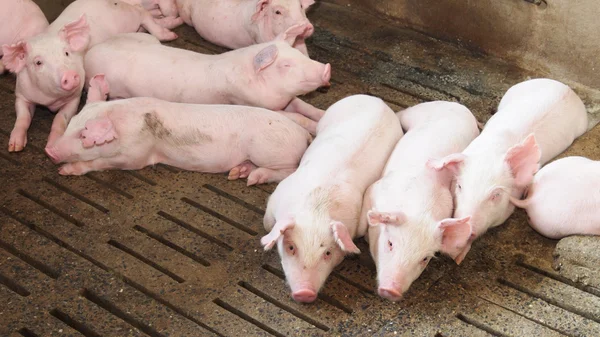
308	124
61	120
264	175
241	171
300	44
169	22
2	69
162	33
168	7
303	108
18	136
82	167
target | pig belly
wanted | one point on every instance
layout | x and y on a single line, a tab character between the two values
210	158
142	78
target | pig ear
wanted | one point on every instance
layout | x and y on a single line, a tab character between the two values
98	90
451	162
455	236
265	57
292	33
260	8
376	218
269	240
306	3
14	56
524	160
76	33
97	132
342	237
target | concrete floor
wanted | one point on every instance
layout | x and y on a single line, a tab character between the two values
162	252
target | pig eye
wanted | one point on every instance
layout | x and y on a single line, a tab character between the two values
278	12
327	253
67	53
38	63
425	259
458	186
390	245
291	249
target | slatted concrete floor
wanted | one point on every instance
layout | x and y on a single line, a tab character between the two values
162	252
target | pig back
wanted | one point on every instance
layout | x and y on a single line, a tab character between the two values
354	139
433	130
547	108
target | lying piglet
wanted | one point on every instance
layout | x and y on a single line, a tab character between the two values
268	75
313	214
536	120
409	209
564	198
108	18
133	133
49	68
240	23
19	20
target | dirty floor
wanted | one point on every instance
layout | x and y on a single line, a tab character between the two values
162	252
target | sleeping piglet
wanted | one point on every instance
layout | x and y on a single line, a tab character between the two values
129	134
409	210
564	198
268	75
536	121
240	23
312	216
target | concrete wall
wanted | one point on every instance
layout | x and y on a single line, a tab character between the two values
558	37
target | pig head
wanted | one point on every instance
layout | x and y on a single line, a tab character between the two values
403	245
49	65
309	253
485	183
281	65
273	17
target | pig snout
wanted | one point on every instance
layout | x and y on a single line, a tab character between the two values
308	31
70	80
53	154
390	294
326	75
304	295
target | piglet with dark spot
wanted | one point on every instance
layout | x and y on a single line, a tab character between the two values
130	134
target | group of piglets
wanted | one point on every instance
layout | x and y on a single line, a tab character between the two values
424	181
105	43
414	183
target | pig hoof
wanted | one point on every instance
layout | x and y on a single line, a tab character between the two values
257	177
241	171
17	143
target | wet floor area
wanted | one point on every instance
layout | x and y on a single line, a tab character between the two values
163	252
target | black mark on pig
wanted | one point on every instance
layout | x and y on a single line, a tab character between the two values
185	137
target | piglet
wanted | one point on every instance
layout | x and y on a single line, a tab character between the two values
564	198
19	20
130	134
49	68
240	23
108	18
536	120
409	209
313	214
268	75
